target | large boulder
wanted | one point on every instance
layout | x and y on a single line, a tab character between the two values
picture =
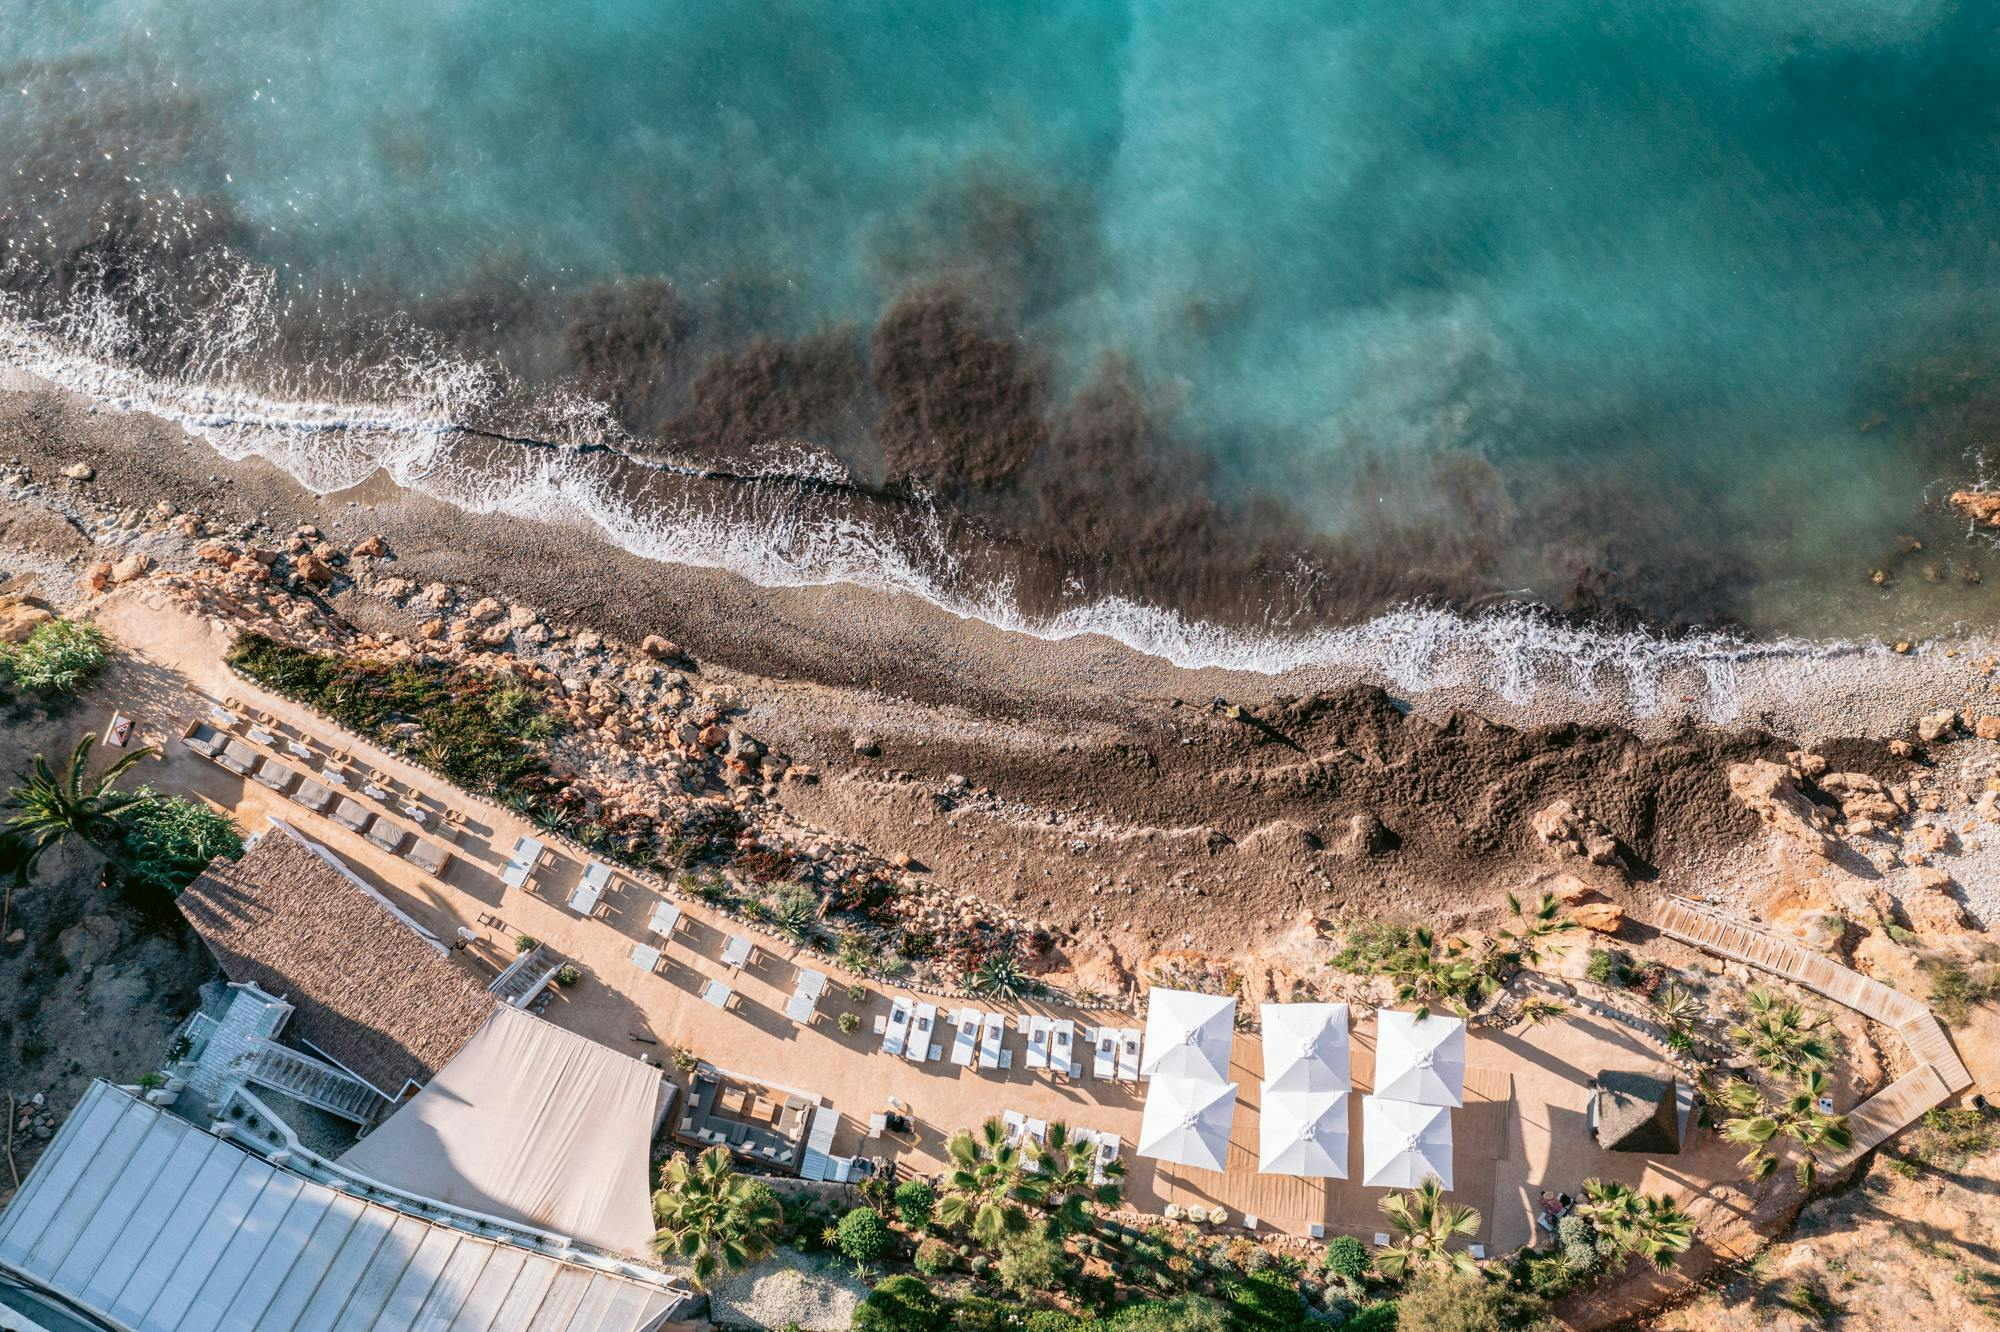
1931	907
1979	505
132	566
1768	790
1598	917
1935	726
21	616
1568	831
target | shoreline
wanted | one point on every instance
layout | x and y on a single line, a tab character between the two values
1074	781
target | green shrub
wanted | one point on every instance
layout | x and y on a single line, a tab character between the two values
933	1256
1054	1320
1265	1301
1347	1260
902	1304
1377	1317
1950	1134
567	975
59	657
863	1235
1462	1303
915	1201
1369	946
1955	988
1577	1239
170	840
525	943
849	1023
1190	1313
1033	1264
1602	967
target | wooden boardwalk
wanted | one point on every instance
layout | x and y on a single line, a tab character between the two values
1939	1073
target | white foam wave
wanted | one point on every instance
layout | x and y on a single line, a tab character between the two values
409	423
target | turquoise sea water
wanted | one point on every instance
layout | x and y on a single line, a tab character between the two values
1276	312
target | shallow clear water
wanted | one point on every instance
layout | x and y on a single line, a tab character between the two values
1673	309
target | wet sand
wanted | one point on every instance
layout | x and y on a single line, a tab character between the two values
1101	789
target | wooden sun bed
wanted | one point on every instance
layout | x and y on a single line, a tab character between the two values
311	795
236	756
274	775
202	738
350	815
428	856
389	836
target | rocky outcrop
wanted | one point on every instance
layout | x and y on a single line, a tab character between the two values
1771	792
1979	505
1569	832
1598	917
21	616
1931	908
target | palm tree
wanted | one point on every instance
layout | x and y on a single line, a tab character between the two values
1681	1009
1534	928
1636	1223
1781	1036
1537	1010
1756	1121
1425	1225
50	810
1424	975
710	1214
988	1188
1067	1170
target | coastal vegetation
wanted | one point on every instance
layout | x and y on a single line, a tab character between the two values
713	1218
57	659
1793	1112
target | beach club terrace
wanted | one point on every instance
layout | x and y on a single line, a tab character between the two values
659	971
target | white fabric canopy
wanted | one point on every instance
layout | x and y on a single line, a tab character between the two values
1403	1144
1420	1060
530	1123
1305	1048
1188	1035
1303	1133
1187	1121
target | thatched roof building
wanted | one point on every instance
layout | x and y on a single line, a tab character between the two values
372	990
1636	1112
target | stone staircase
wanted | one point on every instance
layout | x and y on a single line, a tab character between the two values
313	1081
525	977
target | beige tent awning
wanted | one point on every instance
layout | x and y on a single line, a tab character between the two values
533	1124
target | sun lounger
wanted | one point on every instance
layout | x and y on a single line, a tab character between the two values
1128	1054
800	1010
387	835
1038	1042
992	1027
584	900
1104	1054
427	856
350	815
715	992
236	756
645	956
596	877
737	951
1062	1047
898	1031
966	1045
274	775
311	795
917	1045
666	919
202	738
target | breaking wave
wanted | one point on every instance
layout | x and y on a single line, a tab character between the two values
795	519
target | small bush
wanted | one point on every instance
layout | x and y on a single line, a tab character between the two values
685	1059
1031	1265
1578	1240
1191	1313
1377	1317
915	1201
1602	967
934	1256
1053	1320
1950	1134
59	657
1348	1260
849	1023
902	1304
525	943
567	975
170	840
863	1236
1955	988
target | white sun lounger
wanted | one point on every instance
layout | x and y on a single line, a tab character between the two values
917	1045
1038	1042
715	992
666	919
1104	1061
967	1043
736	952
898	1030
1062	1047
992	1027
583	901
597	877
1128	1054
645	956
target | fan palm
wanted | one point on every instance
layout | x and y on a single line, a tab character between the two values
1425	1225
1756	1121
988	1189
1782	1036
1067	1170
715	1218
1535	927
1650	1226
1424	974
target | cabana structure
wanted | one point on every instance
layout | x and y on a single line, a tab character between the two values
1403	1144
533	1124
1635	1112
1421	1060
1188	1035
1187	1122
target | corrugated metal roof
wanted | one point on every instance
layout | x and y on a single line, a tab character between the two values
150	1223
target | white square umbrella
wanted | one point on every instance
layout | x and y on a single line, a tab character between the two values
1421	1060
1305	1047
1187	1121
1303	1133
1188	1035
1403	1144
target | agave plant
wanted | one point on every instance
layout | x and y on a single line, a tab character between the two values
1424	1225
1756	1121
1782	1036
795	911
999	974
989	1188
